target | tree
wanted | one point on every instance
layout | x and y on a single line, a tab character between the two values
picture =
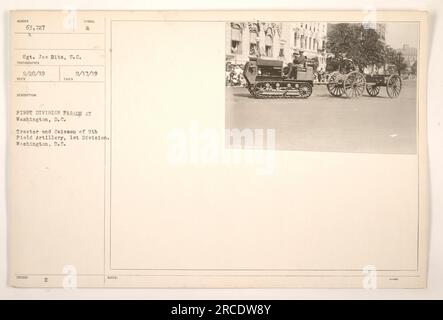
363	45
396	58
414	68
372	48
343	38
332	64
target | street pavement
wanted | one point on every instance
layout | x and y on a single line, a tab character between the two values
326	123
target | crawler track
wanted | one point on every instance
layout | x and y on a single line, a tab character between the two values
285	89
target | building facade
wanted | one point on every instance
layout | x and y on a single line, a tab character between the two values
275	41
409	54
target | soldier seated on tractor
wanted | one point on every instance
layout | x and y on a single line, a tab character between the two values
298	61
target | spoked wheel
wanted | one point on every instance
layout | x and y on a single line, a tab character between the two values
305	90
373	89
393	86
354	84
335	87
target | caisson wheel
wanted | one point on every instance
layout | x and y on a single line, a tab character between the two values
354	84
393	86
334	86
373	90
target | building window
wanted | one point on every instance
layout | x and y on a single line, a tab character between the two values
235	47
268	45
302	41
236	36
253	50
281	54
295	39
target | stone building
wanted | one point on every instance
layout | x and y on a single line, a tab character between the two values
275	40
409	53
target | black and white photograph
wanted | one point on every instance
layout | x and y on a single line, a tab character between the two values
325	86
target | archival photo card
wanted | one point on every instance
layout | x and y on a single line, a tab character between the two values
218	149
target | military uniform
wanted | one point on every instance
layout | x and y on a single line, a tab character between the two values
298	61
